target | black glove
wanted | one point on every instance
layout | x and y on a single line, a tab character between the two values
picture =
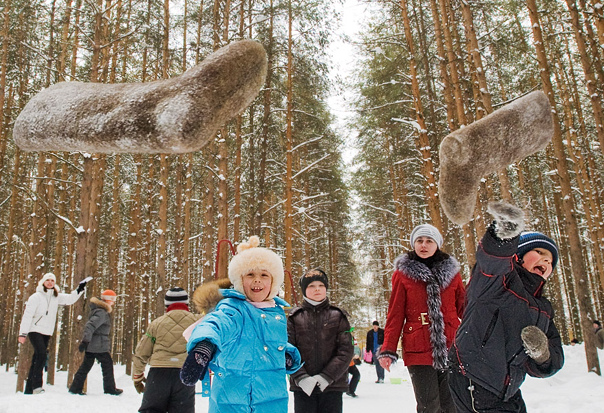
196	364
289	361
536	344
83	346
81	286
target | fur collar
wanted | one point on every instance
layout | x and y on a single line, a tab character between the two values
101	303
207	295
437	279
443	272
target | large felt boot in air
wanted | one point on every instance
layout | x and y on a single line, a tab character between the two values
175	115
488	145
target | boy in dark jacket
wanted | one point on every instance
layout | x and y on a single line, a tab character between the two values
321	333
507	330
96	345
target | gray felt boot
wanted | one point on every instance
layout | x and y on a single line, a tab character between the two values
175	115
488	145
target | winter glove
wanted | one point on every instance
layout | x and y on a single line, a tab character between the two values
139	383
322	382
81	286
196	363
509	220
292	359
307	383
536	344
83	346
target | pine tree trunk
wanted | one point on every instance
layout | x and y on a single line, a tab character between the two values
568	204
288	222
423	144
590	79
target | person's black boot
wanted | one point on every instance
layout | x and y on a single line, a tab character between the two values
115	392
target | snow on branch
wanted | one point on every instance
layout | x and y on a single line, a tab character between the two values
377	208
311	165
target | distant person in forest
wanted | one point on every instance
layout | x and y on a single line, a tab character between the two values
599	332
373	342
354	371
164	349
96	345
508	328
38	324
426	305
243	336
321	332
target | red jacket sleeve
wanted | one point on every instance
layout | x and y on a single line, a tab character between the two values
396	314
460	296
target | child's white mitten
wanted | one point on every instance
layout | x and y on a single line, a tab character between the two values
307	384
535	343
509	219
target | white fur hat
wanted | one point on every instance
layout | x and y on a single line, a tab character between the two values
48	276
252	257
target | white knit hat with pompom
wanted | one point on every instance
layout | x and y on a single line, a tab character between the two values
252	257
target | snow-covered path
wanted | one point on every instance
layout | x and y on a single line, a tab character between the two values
571	390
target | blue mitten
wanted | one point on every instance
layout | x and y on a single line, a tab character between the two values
196	363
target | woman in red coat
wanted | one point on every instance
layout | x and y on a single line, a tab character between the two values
426	306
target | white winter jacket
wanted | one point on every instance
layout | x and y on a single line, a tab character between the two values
40	315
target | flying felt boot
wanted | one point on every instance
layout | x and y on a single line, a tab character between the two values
488	145
174	115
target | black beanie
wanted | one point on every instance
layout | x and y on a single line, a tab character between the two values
316	274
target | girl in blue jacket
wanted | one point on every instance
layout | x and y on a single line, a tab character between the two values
244	339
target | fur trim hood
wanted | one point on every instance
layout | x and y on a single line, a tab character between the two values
443	272
207	295
101	303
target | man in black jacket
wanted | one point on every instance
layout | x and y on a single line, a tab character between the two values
375	339
508	329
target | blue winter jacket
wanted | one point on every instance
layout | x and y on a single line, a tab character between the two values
249	363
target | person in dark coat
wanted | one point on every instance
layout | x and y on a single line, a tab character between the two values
426	305
599	332
354	371
375	339
508	329
96	345
322	334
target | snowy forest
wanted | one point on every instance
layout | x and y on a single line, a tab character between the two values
140	224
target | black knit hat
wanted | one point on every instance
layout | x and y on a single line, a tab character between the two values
176	295
316	274
530	240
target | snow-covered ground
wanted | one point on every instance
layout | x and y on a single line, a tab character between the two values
571	390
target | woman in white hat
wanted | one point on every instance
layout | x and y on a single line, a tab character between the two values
38	324
426	305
